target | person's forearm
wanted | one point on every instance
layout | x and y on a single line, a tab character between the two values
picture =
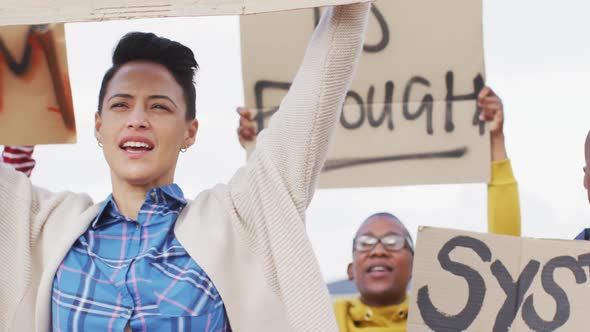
498	147
296	141
503	200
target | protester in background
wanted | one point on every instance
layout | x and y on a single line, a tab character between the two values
585	234
503	202
20	158
381	268
383	249
147	259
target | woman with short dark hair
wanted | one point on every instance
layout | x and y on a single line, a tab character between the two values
147	259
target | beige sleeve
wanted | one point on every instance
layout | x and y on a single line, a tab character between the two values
269	195
24	212
291	152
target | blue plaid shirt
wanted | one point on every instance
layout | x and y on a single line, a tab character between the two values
124	272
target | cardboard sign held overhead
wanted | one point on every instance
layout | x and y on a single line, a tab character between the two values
411	115
14	12
35	95
464	281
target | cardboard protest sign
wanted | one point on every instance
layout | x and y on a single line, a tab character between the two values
15	12
464	281
411	115
35	95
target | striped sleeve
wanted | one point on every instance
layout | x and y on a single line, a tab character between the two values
20	158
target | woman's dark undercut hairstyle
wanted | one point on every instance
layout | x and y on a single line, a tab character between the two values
177	58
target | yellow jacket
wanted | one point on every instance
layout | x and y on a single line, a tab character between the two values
353	315
503	218
503	203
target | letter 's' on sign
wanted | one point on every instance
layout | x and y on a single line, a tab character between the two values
464	281
411	115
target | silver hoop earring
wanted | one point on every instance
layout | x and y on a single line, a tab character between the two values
99	144
183	149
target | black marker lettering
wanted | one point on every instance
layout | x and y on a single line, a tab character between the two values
478	84
515	291
317	15
383	27
584	260
387	107
439	321
335	164
18	68
361	107
426	105
562	312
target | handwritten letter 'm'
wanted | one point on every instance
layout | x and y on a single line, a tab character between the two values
35	97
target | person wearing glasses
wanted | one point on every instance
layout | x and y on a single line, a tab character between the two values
381	269
383	249
585	234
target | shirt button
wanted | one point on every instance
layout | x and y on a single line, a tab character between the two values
137	226
153	194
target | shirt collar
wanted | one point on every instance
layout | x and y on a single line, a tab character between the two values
165	195
170	196
387	316
585	235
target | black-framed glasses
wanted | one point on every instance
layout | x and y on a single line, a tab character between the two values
391	242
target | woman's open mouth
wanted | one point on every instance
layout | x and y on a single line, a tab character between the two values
136	146
132	146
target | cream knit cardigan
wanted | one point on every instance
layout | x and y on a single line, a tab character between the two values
248	236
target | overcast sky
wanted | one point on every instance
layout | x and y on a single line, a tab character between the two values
537	59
